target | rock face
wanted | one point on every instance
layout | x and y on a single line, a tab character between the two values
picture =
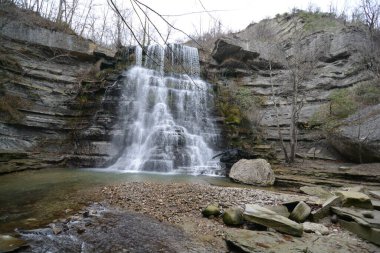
358	139
268	218
58	104
255	172
241	60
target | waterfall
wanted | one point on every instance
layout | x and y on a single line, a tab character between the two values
165	109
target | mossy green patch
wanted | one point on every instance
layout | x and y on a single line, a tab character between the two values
317	21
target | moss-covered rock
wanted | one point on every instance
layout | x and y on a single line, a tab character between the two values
233	216
211	210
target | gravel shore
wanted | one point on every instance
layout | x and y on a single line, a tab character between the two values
180	204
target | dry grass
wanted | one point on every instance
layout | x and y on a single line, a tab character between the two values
9	105
31	18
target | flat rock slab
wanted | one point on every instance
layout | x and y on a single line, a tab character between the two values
280	209
324	211
316	191
375	194
370	234
249	241
376	204
355	199
358	216
310	227
268	218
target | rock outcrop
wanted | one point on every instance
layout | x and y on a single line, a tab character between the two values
358	138
58	99
244	60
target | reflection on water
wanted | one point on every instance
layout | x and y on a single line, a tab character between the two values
34	198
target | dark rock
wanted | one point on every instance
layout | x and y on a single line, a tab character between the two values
255	172
227	48
334	218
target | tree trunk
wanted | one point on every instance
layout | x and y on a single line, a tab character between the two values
283	147
293	122
60	11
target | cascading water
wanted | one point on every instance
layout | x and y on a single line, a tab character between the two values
165	110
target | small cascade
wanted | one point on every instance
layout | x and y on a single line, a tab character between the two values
165	110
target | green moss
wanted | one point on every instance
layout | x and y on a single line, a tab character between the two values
344	103
233	115
316	21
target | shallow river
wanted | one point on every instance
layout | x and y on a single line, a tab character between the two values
31	199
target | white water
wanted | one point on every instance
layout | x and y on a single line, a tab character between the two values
165	109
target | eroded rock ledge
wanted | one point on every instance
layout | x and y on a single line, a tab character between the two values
58	98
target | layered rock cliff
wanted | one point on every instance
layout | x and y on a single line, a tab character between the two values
58	99
244	63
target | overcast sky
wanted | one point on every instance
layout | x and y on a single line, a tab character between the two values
234	14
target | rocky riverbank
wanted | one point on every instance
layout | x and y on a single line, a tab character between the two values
181	205
142	216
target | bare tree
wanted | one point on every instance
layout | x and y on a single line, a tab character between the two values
299	61
371	12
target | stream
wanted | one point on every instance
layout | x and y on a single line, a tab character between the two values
31	199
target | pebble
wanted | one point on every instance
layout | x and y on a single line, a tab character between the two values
179	203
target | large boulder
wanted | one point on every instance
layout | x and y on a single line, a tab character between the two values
255	172
358	139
